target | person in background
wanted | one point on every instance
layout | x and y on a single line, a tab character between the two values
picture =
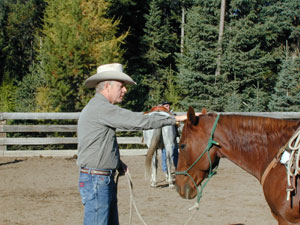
98	150
167	105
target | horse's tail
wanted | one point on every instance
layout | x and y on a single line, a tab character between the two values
155	140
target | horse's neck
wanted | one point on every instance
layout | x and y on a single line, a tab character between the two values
253	148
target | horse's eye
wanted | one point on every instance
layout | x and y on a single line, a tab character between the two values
182	146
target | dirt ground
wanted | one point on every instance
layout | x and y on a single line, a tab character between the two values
43	191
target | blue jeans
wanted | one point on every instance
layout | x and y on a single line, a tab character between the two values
164	158
99	197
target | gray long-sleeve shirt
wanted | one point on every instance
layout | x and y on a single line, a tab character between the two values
97	143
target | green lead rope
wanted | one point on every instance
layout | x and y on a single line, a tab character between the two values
212	172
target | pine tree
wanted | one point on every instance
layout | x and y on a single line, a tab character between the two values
19	22
197	65
287	90
254	36
161	39
2	38
246	62
23	18
77	37
26	93
131	14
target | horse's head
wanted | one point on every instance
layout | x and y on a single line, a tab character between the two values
194	162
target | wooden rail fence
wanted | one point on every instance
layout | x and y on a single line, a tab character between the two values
6	127
6	141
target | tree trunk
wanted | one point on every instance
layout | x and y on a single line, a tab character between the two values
182	30
221	31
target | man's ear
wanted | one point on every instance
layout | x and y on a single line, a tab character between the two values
107	84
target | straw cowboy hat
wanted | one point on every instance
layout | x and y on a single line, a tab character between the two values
113	71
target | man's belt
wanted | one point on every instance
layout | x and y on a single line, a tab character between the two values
97	172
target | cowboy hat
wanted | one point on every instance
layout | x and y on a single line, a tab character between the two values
113	71
166	103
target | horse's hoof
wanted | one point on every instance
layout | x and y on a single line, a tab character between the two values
167	177
171	185
153	185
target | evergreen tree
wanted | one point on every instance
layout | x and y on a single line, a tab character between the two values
254	36
19	22
23	18
7	96
77	37
247	63
161	41
26	94
234	101
2	40
198	84
287	90
131	14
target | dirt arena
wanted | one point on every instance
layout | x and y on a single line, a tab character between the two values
43	191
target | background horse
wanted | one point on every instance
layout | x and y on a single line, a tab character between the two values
164	137
252	143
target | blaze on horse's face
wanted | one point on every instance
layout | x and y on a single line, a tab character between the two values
194	139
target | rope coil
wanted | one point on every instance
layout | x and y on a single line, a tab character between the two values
293	163
133	204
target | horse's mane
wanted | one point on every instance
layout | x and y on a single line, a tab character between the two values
248	133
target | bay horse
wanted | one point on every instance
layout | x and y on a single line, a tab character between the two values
252	143
159	138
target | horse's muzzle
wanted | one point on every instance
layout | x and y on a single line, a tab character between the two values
186	191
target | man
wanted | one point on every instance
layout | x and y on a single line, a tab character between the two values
98	151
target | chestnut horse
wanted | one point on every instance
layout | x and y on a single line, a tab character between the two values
250	142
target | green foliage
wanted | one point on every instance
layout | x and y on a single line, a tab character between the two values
254	34
7	96
234	103
248	63
161	41
259	61
131	14
198	83
2	37
20	20
27	92
171	93
77	37
252	59
287	90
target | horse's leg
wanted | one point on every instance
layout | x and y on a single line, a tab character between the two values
169	154
175	155
164	163
153	181
168	133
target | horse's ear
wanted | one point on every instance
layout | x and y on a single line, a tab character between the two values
191	117
204	111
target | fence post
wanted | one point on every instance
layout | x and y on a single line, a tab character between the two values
2	135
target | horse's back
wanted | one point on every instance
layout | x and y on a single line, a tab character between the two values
167	131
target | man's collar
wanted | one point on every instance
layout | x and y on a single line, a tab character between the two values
101	96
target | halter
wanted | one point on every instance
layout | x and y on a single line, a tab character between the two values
212	172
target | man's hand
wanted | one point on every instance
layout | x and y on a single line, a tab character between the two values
122	168
183	117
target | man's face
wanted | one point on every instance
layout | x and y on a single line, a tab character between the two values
116	90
